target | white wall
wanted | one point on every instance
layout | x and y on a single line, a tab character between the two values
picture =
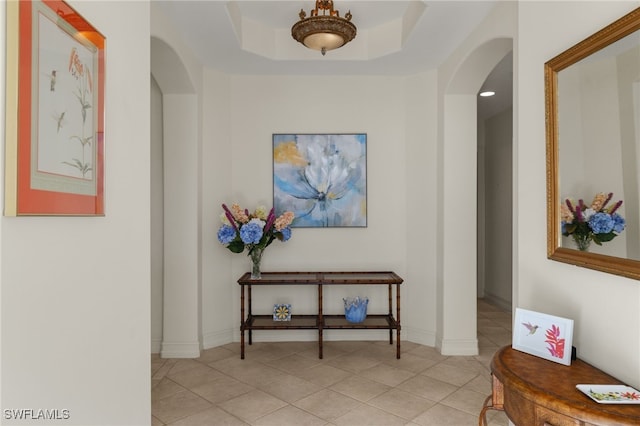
75	290
498	137
605	307
261	106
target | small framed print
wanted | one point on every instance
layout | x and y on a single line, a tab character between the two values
54	163
282	312
543	335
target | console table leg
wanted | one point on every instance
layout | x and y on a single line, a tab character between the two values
482	419
320	321
242	322
397	321
390	314
249	316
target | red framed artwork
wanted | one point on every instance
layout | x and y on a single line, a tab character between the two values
55	111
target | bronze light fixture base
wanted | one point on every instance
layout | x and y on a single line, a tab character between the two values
326	31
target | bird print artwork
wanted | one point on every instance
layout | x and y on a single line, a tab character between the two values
532	328
52	80
60	120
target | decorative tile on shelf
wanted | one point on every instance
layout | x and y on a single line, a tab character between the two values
282	312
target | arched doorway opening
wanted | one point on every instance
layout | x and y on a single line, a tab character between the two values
457	199
176	284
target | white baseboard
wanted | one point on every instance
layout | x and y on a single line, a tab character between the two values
458	347
218	338
499	302
418	335
156	345
180	350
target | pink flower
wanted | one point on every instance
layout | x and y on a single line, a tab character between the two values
556	345
284	220
565	214
239	214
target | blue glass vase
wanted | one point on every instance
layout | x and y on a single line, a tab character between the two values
355	309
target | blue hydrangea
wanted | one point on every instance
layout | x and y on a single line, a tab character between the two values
601	223
226	234
618	223
286	233
250	233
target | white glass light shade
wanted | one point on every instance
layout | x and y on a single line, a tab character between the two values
326	41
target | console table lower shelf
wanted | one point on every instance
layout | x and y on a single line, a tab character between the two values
536	392
319	321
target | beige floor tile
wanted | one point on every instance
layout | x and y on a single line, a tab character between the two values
387	375
195	376
428	353
289	388
481	384
410	362
450	374
178	406
379	350
212	416
293	363
253	405
156	363
465	363
441	415
327	404
222	389
348	345
401	403
248	371
497	418
357	382
360	388
165	388
354	363
289	415
270	351
465	400
163	368
182	365
427	387
324	375
215	354
366	415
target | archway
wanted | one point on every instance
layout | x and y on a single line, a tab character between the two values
179	220
457	200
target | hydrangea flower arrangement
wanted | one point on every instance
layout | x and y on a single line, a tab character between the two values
253	231
597	223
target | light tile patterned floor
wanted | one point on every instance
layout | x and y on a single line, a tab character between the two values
357	383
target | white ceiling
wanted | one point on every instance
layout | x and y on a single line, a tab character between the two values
394	37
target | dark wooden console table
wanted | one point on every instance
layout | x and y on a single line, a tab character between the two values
536	392
319	321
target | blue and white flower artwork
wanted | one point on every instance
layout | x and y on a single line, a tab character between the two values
321	178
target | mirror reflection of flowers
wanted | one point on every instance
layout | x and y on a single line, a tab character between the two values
241	229
597	222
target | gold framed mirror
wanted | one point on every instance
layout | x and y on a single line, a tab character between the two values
592	100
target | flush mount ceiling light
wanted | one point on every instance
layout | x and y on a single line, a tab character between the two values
487	94
326	31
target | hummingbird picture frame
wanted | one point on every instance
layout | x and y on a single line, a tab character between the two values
55	84
543	335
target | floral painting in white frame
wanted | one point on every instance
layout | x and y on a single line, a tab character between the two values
546	336
321	178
